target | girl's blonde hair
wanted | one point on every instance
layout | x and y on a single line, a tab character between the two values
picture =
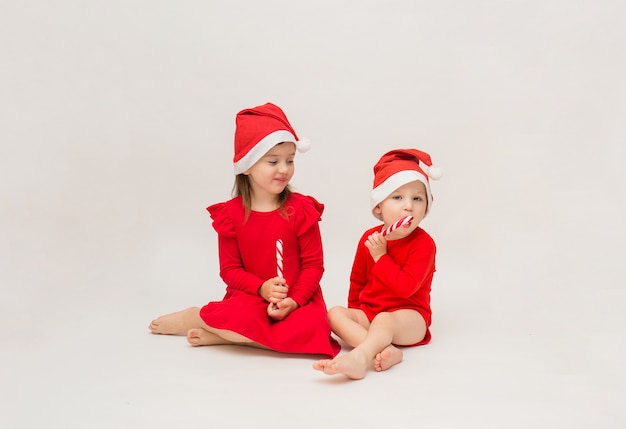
243	188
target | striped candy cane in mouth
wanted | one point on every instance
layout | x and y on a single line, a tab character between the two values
402	222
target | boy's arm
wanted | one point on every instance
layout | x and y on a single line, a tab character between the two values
405	280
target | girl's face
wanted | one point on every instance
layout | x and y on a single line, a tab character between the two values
271	174
408	200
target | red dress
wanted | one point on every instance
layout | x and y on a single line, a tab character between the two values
400	279
247	253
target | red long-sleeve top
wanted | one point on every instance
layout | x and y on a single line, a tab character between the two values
400	279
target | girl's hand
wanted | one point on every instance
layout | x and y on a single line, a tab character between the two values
274	290
282	309
377	245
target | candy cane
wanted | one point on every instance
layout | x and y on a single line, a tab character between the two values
279	258
404	221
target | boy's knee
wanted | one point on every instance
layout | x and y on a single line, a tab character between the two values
336	312
383	317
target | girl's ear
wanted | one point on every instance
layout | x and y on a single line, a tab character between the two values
377	210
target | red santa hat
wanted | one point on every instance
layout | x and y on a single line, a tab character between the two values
259	129
399	167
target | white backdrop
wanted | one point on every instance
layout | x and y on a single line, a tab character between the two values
116	126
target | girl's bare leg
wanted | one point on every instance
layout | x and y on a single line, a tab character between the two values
198	333
201	337
177	323
207	336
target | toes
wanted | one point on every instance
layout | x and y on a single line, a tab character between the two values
192	337
320	364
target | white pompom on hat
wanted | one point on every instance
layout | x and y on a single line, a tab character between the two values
399	167
259	129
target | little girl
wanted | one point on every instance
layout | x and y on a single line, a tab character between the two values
262	307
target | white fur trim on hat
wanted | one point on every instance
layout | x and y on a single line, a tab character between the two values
261	148
395	181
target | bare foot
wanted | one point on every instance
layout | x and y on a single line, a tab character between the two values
321	364
177	323
349	365
388	358
201	337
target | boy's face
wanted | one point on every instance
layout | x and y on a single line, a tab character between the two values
408	200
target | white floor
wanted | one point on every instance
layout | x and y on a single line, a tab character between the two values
116	125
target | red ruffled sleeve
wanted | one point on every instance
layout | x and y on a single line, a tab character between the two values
225	216
308	213
222	221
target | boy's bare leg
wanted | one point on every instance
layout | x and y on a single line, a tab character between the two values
321	364
388	358
400	327
353	365
349	324
177	323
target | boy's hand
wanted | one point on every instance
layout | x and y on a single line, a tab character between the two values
377	245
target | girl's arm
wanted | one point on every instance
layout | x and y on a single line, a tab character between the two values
231	267
312	265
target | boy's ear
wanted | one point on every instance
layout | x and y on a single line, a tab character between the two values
377	209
